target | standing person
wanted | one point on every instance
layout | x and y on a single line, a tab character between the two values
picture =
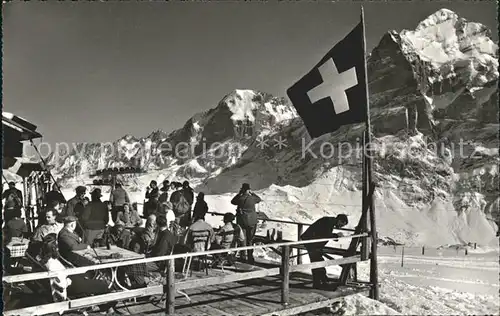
152	190
182	200
54	195
118	198
246	216
164	195
95	218
152	206
322	228
13	200
201	207
69	210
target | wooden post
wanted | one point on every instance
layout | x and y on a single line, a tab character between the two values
300	228
475	245
466	252
285	274
170	287
402	255
423	250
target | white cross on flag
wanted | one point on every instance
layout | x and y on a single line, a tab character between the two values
333	93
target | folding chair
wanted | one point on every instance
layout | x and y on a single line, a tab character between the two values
201	237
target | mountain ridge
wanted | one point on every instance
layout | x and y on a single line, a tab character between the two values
428	87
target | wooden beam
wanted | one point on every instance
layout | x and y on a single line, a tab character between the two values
283	221
316	305
87	301
322	264
285	274
191	284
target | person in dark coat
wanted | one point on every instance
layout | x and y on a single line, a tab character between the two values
70	210
13	200
152	189
54	195
165	242
246	216
200	208
322	228
68	240
95	218
164	192
152	206
15	227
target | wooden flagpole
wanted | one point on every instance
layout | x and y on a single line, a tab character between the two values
374	293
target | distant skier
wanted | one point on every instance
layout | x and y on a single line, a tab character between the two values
246	216
320	229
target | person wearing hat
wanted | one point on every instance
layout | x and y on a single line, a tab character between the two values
95	217
13	200
230	235
320	229
118	198
69	210
246	216
68	240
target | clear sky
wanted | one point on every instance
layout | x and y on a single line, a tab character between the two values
91	71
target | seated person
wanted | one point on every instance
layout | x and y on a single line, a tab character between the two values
74	286
68	240
138	272
128	217
150	232
119	236
165	243
228	236
55	206
15	227
199	235
51	226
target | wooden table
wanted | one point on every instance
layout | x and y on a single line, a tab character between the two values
103	255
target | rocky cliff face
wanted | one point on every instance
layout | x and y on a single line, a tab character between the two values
433	96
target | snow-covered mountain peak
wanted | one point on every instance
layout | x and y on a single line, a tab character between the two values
241	104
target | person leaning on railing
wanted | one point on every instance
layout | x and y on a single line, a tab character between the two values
320	229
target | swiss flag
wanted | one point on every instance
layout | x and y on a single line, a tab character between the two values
333	93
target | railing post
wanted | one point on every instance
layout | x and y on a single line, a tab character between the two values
300	229
170	287
285	274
